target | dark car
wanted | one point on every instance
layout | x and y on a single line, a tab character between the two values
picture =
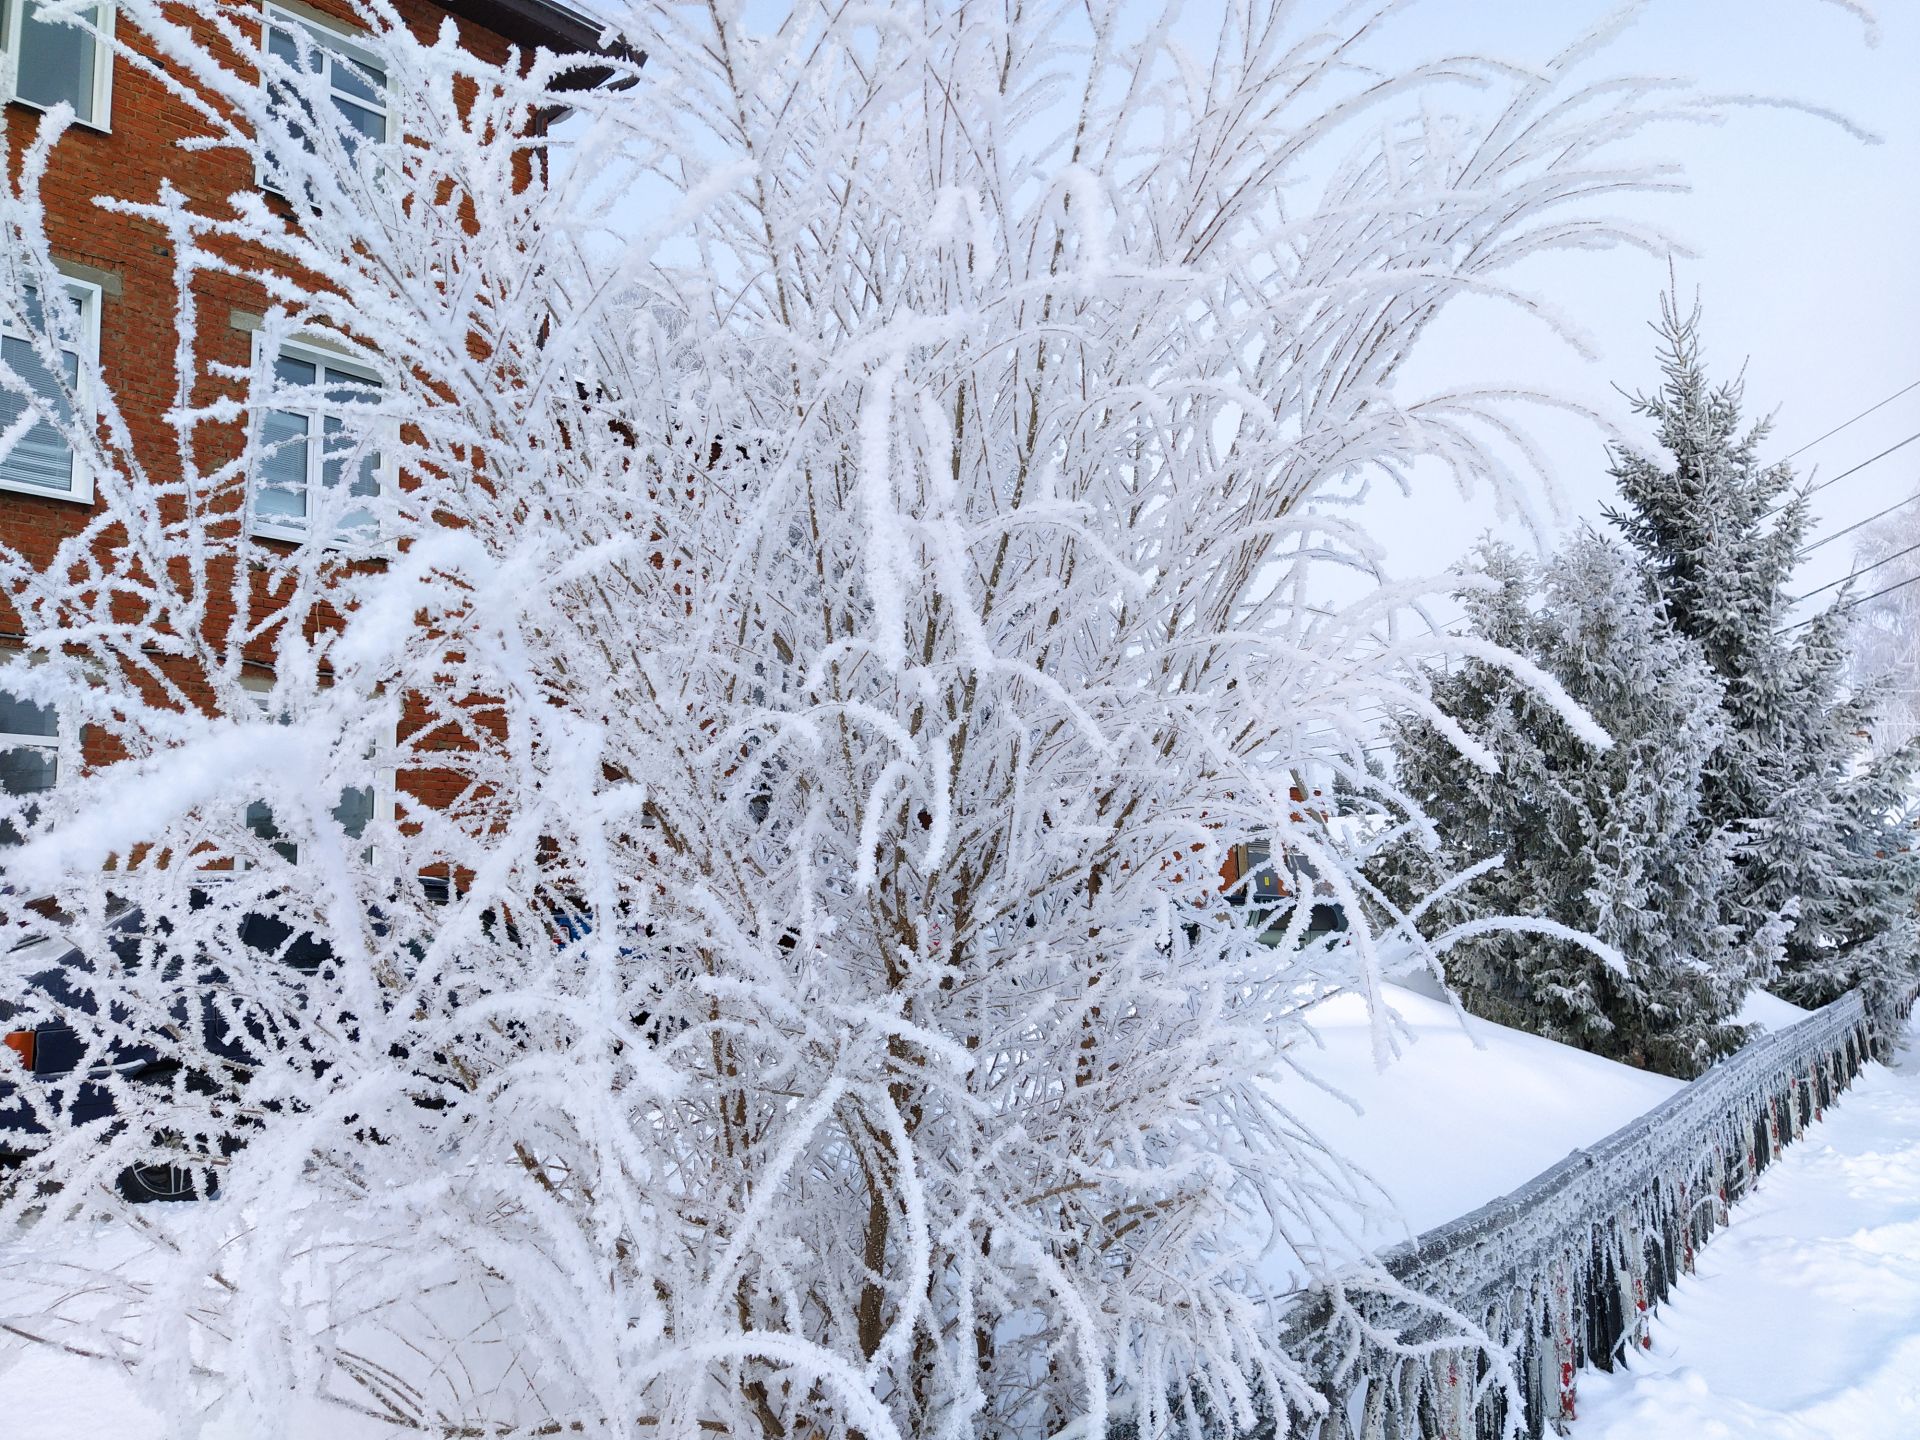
50	1050
62	995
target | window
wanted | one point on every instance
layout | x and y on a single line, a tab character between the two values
347	71
41	462
1265	887
316	458
48	62
29	753
353	812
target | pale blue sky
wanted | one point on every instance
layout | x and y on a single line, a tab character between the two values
1806	241
1807	256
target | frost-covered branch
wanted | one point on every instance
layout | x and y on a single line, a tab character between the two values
754	703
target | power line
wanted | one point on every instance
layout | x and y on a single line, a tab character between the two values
1355	718
1884	590
1852	604
1861	416
1351	730
1851	470
1855	575
1877	515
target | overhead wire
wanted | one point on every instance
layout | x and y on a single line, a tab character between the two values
1858	524
1911	385
1851	604
1850	470
1884	590
1452	627
1856	574
1377	712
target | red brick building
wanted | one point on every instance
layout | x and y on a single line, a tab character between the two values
120	274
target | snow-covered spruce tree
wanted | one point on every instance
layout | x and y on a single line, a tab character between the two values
1884	642
1720	532
819	636
1608	842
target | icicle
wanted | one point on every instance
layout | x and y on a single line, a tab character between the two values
1563	1346
1567	1270
1373	1422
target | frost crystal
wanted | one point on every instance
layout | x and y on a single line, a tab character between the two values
686	896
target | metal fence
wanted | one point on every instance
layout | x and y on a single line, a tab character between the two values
1561	1273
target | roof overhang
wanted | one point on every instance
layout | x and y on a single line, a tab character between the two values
541	25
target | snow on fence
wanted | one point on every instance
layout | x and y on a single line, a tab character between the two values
1563	1271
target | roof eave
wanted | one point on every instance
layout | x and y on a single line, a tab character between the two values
541	25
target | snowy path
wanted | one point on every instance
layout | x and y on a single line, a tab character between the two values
1803	1320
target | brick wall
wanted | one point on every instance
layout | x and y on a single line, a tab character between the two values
139	306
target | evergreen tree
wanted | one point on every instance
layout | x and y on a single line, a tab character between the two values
1719	533
1876	938
1886	629
1610	842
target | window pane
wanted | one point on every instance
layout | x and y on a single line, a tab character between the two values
282	45
357	86
36	318
261	822
289	370
56	63
281	487
41	457
360	122
358	79
294	112
346	388
346	467
336	447
23	717
25	770
355	810
357	523
366	479
28	769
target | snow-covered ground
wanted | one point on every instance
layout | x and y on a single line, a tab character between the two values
75	1399
1418	1131
1414	1134
1770	1012
1802	1321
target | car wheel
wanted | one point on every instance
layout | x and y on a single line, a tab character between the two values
144	1184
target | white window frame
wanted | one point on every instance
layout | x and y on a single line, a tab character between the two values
102	117
88	294
318	353
326	33
382	774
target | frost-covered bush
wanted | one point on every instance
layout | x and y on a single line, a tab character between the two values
820	634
